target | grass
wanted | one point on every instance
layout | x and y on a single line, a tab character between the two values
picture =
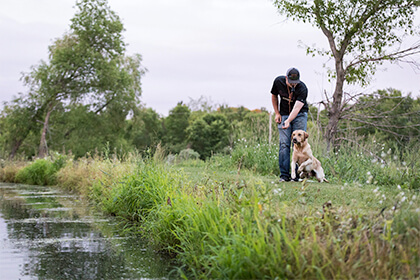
226	219
225	223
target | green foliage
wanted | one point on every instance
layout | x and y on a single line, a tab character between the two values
175	128
17	121
188	154
86	68
387	114
367	165
138	193
208	134
260	158
361	31
144	129
247	228
361	35
41	172
224	224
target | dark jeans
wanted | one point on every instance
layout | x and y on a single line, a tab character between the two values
285	136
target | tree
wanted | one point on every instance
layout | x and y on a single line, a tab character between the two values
208	134
144	128
361	34
386	113
17	120
175	128
87	66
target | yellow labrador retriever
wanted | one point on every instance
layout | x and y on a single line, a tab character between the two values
302	155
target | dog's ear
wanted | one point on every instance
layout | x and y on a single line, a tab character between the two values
306	135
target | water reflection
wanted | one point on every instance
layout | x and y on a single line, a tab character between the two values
46	234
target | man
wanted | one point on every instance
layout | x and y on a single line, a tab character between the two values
288	96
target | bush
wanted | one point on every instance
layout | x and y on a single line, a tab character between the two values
41	172
188	154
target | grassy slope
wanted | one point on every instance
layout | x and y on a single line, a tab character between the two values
324	230
228	223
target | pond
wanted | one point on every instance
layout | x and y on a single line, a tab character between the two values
46	233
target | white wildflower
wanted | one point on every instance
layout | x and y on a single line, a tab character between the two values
399	187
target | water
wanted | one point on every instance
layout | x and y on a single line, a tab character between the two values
46	233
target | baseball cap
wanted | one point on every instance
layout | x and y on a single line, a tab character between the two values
293	76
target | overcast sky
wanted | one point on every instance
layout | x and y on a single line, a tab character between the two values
228	51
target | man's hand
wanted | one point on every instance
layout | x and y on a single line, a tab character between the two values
286	124
278	118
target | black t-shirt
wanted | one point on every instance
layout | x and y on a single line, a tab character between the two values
280	88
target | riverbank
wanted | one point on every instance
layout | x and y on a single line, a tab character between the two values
223	222
48	233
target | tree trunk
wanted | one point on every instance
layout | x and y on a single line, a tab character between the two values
43	149
15	148
334	113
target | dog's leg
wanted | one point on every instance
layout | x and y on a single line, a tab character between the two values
305	165
293	167
320	176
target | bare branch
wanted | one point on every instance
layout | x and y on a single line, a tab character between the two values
398	56
366	150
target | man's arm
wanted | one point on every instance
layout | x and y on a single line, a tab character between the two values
293	114
275	102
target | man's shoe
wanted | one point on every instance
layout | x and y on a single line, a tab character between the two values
282	179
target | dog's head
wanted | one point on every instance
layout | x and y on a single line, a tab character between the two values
299	137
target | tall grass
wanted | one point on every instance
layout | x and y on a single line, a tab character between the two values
223	224
9	169
78	176
360	161
247	229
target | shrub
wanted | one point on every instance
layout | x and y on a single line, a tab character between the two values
42	171
188	154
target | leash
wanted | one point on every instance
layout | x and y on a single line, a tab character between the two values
290	98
